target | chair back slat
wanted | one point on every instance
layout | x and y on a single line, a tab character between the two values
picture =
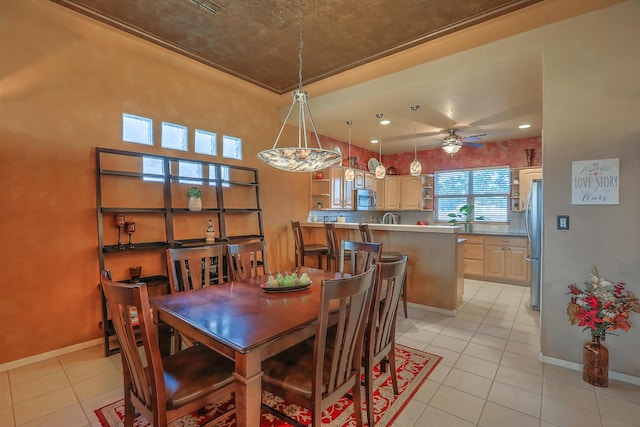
247	260
353	298
297	235
131	315
390	277
194	268
360	255
365	234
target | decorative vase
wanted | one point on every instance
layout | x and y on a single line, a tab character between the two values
466	227
595	359
195	203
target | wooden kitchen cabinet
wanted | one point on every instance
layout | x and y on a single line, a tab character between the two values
504	259
521	185
369	181
473	255
427	192
410	196
392	192
347	193
335	175
380	190
358	180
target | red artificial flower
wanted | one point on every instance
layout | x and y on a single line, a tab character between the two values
573	289
589	318
592	301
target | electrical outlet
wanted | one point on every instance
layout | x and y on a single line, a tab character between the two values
563	222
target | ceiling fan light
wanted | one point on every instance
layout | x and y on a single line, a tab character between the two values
380	172
415	168
451	148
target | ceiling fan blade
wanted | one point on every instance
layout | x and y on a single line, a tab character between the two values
472	144
474	137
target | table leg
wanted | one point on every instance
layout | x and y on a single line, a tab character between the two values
249	389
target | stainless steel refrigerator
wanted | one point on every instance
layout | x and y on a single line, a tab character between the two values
533	225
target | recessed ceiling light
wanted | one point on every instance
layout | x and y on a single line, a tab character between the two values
374	141
524	126
385	122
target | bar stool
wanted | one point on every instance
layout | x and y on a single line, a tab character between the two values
387	256
311	249
334	247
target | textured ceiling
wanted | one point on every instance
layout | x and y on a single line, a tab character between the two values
412	48
258	40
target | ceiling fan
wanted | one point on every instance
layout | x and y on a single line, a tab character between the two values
452	142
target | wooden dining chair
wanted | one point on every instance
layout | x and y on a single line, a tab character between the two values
247	260
303	250
360	256
380	335
333	245
316	373
161	389
193	268
386	256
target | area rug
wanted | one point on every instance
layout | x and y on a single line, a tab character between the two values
414	367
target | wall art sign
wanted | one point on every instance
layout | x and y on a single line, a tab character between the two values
595	182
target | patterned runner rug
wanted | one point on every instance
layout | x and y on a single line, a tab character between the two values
414	366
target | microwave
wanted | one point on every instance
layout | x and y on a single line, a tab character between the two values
364	200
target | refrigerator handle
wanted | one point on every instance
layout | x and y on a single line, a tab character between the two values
527	217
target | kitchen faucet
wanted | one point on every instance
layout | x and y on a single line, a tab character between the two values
391	216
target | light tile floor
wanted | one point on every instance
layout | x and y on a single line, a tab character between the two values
490	375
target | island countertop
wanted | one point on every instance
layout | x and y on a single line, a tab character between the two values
449	229
435	271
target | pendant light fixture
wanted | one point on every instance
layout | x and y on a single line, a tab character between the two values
415	168
302	158
380	171
349	174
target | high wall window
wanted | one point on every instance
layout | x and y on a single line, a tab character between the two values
136	129
192	170
152	166
231	147
487	189
174	136
205	142
224	172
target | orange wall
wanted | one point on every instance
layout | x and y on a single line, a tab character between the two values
65	81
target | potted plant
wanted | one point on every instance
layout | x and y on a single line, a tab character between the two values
195	199
464	216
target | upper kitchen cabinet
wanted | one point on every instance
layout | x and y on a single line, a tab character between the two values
392	192
329	190
427	192
379	186
411	187
369	181
521	185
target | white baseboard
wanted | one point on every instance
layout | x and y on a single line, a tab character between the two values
48	355
578	367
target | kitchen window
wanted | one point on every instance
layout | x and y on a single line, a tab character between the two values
487	189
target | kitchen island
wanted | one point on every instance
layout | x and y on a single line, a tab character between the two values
435	272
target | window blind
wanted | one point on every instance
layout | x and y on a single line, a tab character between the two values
487	189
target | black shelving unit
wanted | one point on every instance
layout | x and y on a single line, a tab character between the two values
120	172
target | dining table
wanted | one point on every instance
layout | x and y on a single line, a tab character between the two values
247	322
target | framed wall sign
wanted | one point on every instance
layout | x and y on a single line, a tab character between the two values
595	182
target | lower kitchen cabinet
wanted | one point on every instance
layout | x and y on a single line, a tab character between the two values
505	259
473	255
501	259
